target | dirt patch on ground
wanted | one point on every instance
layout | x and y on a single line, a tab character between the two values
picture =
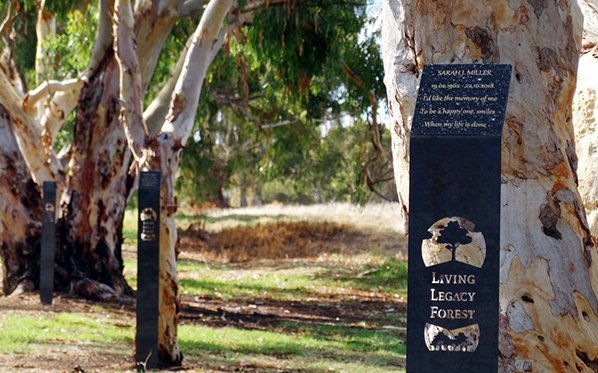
263	314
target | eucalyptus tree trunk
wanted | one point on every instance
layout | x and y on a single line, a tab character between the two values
100	177
21	212
548	269
98	173
158	149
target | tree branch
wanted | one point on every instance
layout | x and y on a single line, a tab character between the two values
6	24
154	19
156	112
185	97
130	79
45	29
7	57
280	124
41	159
193	8
238	103
60	99
48	88
104	38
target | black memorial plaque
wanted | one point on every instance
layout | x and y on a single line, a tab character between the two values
148	265
48	247
454	219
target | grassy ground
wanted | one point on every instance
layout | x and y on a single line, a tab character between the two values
261	291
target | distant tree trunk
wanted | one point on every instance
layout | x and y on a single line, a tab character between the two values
258	198
317	192
243	192
21	212
221	194
549	274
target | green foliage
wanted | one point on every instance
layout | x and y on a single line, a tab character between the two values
61	8
23	36
69	52
298	67
303	64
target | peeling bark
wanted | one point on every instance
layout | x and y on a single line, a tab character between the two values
549	279
20	226
162	152
98	184
100	178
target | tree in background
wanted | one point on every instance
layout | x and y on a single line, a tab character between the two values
265	103
548	276
109	122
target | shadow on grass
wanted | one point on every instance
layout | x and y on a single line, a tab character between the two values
230	289
384	354
390	277
239	218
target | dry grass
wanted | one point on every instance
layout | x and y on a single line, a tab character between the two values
277	240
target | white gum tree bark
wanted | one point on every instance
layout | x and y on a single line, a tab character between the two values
161	152
45	30
549	264
585	114
41	160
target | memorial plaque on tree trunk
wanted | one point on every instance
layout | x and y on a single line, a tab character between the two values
148	266
454	218
46	273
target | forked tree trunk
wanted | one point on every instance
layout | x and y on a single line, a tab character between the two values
548	270
21	214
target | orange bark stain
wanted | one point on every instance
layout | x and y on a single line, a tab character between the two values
522	16
558	185
434	8
561	170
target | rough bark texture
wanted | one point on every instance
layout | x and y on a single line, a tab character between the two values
21	214
162	152
160	155
585	115
98	184
549	272
99	178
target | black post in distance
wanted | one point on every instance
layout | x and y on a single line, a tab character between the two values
48	243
